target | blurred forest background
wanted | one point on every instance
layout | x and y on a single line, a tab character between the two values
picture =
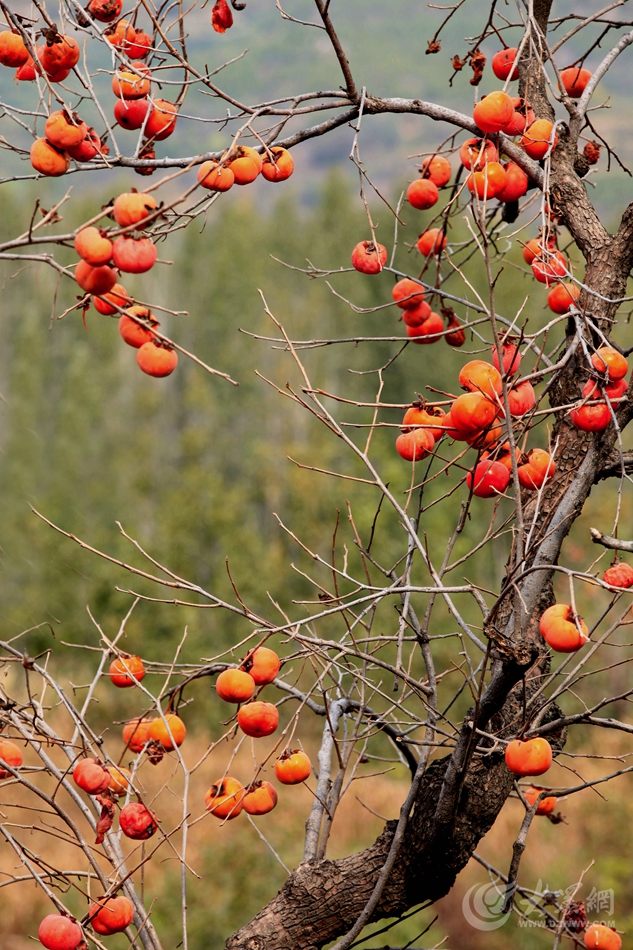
196	470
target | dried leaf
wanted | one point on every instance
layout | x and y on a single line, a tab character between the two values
591	152
458	63
477	62
221	17
434	46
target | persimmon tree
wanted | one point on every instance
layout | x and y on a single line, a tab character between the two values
542	421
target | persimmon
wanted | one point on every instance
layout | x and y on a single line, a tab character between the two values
111	915
415	445
574	80
262	665
29	71
416	316
126	671
63	131
95	280
131	113
432	241
258	719
117	297
95	248
485	438
132	208
427	417
132	332
137	822
516	183
493	112
503	455
618	575
511	358
522	116
121	36
260	798
293	767
225	798
607	360
136	734
57	932
91	776
536	469
120	779
591	418
11	754
472	413
529	757
246	165
157	359
59	53
49	160
503	64
134	255
601	937
521	398
162	120
456	335
562	296
278	168
221	16
131	85
422	194
532	250
428	331
475	154
546	805
215	177
538	140
105	10
90	146
477	376
548	267
369	258
437	169
140	45
562	630
488	183
407	293
13	51
489	479
593	389
235	686
169	731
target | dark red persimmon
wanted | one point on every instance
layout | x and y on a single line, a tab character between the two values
59	933
489	479
503	64
137	822
369	258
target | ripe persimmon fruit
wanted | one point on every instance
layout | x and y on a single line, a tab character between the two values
93	247
131	331
126	671
111	915
136	734
137	822
278	168
293	767
169	731
432	241
528	757
11	754
235	686
258	719
215	177
57	932
415	445
260	798
49	160
91	776
562	630
225	798
369	258
493	112
157	359
262	664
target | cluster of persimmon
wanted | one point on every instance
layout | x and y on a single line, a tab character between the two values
477	418
227	796
97	274
243	164
606	385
